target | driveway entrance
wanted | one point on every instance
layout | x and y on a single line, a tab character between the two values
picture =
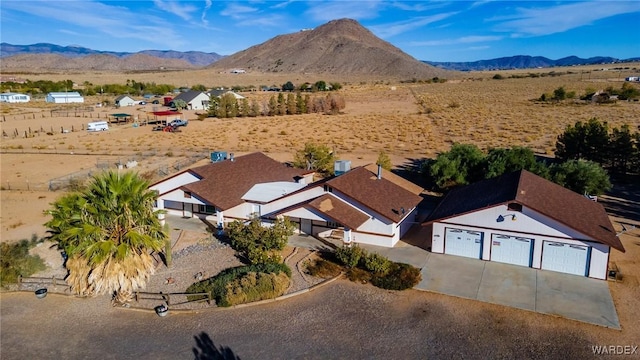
548	292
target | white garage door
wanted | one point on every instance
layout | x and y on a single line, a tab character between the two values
511	250
463	243
566	258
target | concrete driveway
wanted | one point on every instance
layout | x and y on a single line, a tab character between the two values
548	292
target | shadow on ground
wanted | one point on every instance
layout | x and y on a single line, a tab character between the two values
205	349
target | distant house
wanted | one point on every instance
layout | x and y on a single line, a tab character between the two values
522	219
11	97
221	92
64	97
632	78
196	100
238	71
124	100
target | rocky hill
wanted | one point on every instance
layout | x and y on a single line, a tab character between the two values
337	47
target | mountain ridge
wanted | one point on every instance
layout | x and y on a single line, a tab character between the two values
525	62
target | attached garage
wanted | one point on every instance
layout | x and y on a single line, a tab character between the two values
463	243
512	250
566	258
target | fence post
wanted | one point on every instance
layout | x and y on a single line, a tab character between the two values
53	280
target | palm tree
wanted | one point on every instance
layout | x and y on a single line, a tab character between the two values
108	231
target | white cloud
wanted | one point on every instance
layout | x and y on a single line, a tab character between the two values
332	10
95	19
419	6
462	40
561	18
388	30
207	6
237	11
178	8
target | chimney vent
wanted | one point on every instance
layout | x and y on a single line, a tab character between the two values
231	158
379	171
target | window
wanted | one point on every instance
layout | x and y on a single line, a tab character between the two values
187	194
206	209
514	207
333	224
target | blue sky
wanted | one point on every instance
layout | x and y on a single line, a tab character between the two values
427	30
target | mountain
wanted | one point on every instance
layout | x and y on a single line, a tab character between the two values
523	62
106	62
338	47
195	58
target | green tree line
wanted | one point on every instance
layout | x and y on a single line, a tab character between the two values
227	106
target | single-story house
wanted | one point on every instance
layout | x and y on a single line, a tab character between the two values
363	205
221	92
522	219
124	100
196	100
11	97
64	97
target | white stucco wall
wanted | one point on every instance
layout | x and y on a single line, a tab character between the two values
174	182
528	224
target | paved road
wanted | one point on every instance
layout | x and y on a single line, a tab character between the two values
341	320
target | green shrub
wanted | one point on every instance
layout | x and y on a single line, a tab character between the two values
400	277
377	263
323	268
217	285
255	287
350	256
15	261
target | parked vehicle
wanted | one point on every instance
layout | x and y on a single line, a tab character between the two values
155	102
178	122
98	126
167	100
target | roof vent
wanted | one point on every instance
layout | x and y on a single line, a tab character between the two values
379	171
231	158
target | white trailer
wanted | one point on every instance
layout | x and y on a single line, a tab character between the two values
98	126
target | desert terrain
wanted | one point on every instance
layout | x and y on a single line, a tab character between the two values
407	120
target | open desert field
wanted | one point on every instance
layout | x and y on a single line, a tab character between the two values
407	120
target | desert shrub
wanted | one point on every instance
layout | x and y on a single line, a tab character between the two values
15	260
498	77
217	285
376	263
255	287
359	275
324	268
400	277
350	256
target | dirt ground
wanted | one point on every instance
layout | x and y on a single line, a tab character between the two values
407	121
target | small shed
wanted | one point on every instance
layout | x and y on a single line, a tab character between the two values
124	100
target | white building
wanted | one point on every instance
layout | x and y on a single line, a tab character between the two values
124	100
64	97
12	97
196	100
363	205
522	219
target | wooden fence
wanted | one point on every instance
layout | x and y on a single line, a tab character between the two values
178	298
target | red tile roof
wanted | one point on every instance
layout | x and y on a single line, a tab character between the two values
339	211
223	183
380	195
536	193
